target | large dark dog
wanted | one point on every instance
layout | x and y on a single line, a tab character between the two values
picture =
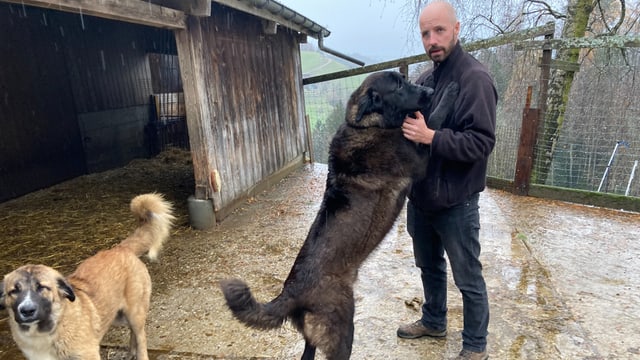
371	168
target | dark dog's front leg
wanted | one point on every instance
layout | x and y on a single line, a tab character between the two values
445	106
309	351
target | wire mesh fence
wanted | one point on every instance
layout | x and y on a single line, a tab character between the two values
600	138
597	147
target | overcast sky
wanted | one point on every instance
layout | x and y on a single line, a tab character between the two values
377	29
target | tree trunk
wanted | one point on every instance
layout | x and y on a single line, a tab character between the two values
559	87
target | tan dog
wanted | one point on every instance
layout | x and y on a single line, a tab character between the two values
53	318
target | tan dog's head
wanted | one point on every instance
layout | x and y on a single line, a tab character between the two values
34	296
384	99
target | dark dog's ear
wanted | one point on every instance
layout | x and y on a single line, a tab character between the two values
429	90
429	81
368	104
65	290
2	295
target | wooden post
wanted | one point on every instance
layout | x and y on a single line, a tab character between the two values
543	92
530	123
309	139
404	69
192	68
528	134
191	57
545	76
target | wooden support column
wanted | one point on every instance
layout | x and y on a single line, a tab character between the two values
404	69
199	110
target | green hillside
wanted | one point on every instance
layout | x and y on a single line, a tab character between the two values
318	63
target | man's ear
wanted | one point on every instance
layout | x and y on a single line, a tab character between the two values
368	104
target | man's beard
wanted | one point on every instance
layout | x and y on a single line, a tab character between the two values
443	52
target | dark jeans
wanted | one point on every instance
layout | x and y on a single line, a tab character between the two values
456	231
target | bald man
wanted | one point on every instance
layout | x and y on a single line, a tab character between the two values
442	211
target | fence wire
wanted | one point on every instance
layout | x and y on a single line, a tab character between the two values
598	144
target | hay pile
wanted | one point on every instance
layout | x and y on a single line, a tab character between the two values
61	225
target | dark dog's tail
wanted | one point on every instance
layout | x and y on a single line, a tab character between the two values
155	218
248	310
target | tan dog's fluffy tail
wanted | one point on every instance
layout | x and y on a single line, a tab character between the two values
155	216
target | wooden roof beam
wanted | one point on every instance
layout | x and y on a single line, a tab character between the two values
201	8
137	12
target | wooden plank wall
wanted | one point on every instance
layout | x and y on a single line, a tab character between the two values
255	94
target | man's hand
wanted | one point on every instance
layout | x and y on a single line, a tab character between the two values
416	129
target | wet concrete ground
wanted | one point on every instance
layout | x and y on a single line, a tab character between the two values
563	283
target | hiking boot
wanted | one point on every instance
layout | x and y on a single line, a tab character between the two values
472	355
417	329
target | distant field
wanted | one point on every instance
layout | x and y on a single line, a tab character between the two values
316	63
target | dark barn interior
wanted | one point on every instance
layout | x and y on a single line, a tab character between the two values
81	94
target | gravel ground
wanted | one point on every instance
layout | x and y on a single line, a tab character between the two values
557	273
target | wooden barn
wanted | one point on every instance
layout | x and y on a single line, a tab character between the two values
87	86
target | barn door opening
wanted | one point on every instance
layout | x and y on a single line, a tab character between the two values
168	123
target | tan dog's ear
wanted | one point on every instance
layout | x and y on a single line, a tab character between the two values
2	307
66	290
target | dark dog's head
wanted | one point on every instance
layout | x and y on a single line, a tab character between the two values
34	296
384	99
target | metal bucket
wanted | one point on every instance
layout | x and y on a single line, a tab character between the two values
201	215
